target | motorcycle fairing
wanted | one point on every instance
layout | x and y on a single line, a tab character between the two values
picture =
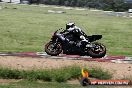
94	37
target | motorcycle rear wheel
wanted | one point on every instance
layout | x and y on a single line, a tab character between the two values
98	51
53	48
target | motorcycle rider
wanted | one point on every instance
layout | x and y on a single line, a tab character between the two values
76	32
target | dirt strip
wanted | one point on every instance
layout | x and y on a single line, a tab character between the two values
26	63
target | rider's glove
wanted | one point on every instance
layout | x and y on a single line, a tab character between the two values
83	38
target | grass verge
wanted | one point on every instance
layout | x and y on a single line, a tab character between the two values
27	28
99	73
59	75
37	84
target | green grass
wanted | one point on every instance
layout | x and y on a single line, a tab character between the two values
58	75
27	28
99	73
35	84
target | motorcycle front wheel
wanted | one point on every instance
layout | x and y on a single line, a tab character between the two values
53	48
98	51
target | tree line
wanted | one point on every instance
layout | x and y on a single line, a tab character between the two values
115	5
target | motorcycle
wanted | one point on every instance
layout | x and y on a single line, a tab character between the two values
60	44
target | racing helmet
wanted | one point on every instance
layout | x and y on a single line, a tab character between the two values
70	25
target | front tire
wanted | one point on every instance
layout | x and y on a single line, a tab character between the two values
98	51
53	48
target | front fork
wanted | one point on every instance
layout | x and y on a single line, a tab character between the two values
56	41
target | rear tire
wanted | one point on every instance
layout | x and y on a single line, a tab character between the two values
53	49
98	52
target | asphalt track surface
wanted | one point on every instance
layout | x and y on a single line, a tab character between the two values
114	59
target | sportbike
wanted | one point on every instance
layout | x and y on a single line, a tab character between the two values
60	44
